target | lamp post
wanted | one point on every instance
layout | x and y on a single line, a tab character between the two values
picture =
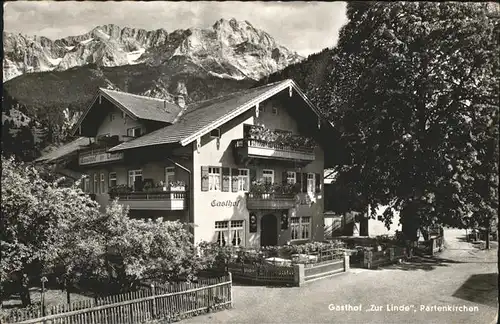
43	280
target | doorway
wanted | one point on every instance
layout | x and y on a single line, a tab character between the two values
268	230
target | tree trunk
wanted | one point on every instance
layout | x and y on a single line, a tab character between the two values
488	226
24	292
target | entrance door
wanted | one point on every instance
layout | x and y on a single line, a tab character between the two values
268	230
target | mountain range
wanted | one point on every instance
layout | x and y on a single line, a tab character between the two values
51	75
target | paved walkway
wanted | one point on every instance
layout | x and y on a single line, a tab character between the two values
462	275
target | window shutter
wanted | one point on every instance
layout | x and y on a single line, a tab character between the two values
317	182
304	182
253	177
225	179
298	179
284	174
204	178
234	180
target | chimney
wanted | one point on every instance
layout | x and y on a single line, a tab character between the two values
180	101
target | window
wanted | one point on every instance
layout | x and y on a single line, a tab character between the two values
275	110
291	177
268	176
112	180
134	178
311	182
221	231
213	179
96	188
300	228
169	175
243	180
111	117
86	184
134	132
215	133
103	187
230	233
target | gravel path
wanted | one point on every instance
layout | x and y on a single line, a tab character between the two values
461	276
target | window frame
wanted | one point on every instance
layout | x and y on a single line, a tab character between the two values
169	171
96	187
134	129
313	186
288	177
298	228
264	175
241	182
227	230
214	178
102	184
274	110
112	177
134	173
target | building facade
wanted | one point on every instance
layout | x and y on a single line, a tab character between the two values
244	169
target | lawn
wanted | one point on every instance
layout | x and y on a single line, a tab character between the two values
53	297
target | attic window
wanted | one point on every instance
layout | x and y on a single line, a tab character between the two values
215	133
275	110
134	132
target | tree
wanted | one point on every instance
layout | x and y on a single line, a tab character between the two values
36	216
416	99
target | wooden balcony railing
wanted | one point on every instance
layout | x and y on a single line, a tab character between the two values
246	149
152	195
251	142
271	200
168	200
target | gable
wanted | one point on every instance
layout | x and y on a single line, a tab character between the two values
134	106
200	118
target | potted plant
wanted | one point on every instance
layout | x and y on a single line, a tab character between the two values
177	186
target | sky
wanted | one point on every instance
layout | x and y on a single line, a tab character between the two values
305	27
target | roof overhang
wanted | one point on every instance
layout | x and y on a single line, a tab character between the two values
98	96
243	108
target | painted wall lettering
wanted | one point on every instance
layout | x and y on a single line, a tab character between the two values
226	203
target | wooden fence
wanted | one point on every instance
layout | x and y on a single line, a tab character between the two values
373	259
267	274
169	303
296	274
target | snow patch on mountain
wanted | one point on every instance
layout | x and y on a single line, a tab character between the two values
229	49
86	41
132	57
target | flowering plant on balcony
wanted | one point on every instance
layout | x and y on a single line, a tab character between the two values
119	189
281	138
265	188
177	185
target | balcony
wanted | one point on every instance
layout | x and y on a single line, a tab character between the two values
247	148
168	200
271	200
99	155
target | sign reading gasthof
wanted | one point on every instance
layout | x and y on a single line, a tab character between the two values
100	158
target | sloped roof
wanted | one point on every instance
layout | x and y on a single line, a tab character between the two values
64	150
144	107
201	115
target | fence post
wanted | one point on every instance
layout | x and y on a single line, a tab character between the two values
347	266
231	289
432	243
391	254
153	302
298	274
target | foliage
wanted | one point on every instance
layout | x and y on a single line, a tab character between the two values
281	138
263	187
119	189
37	217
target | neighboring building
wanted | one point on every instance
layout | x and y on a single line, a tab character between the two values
352	223
211	163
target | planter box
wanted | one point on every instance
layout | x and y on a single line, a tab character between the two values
373	259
